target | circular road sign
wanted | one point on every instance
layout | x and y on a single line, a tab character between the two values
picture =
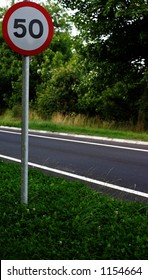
27	28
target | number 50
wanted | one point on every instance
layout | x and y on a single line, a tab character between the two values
19	23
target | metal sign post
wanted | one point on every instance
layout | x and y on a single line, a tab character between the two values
28	30
24	139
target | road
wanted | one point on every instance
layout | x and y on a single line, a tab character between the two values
109	166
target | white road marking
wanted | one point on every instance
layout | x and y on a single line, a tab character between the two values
78	141
79	177
139	142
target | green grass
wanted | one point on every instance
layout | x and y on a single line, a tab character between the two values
52	126
78	124
102	132
67	220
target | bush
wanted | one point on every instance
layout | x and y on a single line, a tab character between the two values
16	111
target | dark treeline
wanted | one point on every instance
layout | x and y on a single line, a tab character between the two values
102	71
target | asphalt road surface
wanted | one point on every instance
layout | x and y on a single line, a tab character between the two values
107	165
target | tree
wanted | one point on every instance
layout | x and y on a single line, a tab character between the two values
60	94
55	70
114	33
59	52
41	65
10	73
107	26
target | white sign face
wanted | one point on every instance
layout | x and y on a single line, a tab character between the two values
27	28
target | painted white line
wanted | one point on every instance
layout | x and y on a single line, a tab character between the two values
89	143
81	136
10	132
79	177
79	142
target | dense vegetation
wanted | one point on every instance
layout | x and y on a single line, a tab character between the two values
101	72
67	220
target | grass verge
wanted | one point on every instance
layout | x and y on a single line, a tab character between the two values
100	132
77	124
67	220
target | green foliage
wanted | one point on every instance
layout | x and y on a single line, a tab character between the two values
102	71
143	115
10	73
116	102
113	33
60	94
41	66
55	75
67	220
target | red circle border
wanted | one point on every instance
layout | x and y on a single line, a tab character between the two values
6	35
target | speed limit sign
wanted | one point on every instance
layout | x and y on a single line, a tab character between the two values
27	28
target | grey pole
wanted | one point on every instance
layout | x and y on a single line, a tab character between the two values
24	139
